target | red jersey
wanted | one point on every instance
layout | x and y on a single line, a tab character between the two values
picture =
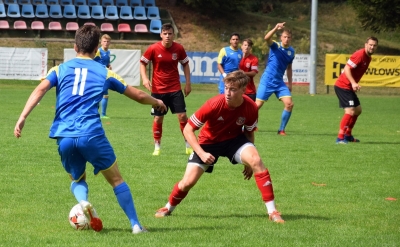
358	63
248	64
221	122
165	66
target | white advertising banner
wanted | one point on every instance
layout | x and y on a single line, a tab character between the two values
23	63
125	63
301	70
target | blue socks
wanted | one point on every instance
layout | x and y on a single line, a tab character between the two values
104	103
125	200
80	190
285	119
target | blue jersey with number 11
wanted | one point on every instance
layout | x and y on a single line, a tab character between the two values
80	84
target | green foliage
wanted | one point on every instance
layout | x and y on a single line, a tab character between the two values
378	15
330	195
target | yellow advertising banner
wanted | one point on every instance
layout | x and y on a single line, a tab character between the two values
383	71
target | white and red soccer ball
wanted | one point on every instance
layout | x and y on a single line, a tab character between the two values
77	218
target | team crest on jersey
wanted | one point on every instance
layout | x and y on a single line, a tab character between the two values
240	120
174	56
247	65
289	53
239	56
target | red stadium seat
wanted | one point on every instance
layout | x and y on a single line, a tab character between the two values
89	23
55	25
141	28
20	25
4	24
107	27
124	28
37	25
72	26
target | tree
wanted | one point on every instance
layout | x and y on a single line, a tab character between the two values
378	15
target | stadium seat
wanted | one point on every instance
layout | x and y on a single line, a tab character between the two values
135	3
126	13
13	11
149	3
69	12
153	13
155	26
83	12
107	27
78	3
120	3
4	24
20	25
94	2
37	25
8	2
52	2
27	11
111	13
124	28
141	28
66	2
2	10
97	12
72	26
139	13
37	2
89	23
22	2
42	11
55	25
106	3
55	11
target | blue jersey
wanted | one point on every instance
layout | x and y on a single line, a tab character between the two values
80	84
103	57
278	60
230	59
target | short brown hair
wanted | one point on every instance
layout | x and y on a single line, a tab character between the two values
87	38
237	77
372	38
167	26
249	42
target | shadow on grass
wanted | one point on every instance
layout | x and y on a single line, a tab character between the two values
286	217
389	143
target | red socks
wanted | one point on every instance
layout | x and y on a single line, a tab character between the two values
344	124
177	195
264	184
157	131
352	122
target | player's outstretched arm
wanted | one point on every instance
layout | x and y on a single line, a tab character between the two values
268	36
32	101
144	98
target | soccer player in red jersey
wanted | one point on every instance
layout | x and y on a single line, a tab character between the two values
165	84
221	120
346	87
249	64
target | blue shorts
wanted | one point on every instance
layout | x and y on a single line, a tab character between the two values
105	92
221	85
75	152
266	89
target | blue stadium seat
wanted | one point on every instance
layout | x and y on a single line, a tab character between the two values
2	10
155	26
55	11
120	3
83	12
153	13
126	13
135	3
8	2
69	12
78	3
42	11
37	2
149	3
13	11
97	12
51	2
106	3
139	13
27	11
111	13
93	2
22	2
66	2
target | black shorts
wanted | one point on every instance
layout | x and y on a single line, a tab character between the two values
174	101
226	148
347	98
252	96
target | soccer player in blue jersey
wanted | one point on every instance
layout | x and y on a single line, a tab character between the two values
103	56
280	59
79	85
229	59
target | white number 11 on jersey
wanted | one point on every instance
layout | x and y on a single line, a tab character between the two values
78	74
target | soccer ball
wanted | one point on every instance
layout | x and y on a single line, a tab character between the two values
77	218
